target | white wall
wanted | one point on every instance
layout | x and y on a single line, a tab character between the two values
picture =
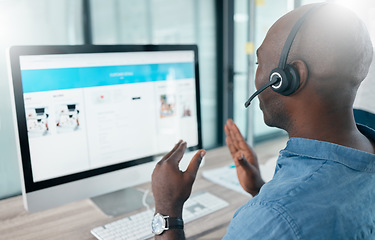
24	22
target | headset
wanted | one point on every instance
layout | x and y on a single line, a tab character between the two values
285	79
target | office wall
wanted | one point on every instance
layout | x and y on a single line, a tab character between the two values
24	22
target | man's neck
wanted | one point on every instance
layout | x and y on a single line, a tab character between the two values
339	128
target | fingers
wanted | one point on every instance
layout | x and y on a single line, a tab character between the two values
234	139
172	151
232	149
226	129
235	134
230	138
194	164
177	154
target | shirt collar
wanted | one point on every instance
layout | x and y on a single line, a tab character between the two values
350	157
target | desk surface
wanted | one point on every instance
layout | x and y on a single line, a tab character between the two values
75	220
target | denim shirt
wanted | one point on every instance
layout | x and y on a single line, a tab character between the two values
320	190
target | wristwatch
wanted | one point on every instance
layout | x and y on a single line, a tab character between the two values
162	223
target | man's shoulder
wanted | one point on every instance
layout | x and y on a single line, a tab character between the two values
295	178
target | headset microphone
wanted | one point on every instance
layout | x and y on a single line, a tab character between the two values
285	78
274	81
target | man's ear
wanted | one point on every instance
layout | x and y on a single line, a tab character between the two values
303	72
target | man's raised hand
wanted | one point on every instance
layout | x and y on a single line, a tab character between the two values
245	159
170	186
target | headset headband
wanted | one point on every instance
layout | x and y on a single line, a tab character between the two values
292	35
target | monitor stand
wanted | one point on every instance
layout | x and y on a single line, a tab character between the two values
123	201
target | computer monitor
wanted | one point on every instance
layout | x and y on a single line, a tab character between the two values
95	119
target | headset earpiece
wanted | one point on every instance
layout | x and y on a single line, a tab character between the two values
294	80
278	75
288	82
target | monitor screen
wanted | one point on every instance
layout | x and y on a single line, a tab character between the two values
83	111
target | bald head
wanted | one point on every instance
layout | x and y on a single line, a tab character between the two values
333	42
332	52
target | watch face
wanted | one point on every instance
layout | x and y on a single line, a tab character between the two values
158	224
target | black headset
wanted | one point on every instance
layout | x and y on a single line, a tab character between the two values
285	78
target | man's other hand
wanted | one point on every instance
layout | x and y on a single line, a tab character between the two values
170	186
245	159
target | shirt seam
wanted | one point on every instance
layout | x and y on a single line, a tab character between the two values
317	170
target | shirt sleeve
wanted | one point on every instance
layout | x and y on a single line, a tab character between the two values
261	221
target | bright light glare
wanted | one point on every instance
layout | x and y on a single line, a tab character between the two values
353	5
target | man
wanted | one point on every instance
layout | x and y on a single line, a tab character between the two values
324	183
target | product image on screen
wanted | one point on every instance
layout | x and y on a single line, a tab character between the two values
67	118
37	121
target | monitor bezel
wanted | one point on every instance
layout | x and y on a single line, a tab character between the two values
16	51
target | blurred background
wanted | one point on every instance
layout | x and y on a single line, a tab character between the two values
227	33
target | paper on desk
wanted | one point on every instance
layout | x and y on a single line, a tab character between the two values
227	176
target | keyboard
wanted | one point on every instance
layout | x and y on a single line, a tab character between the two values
138	226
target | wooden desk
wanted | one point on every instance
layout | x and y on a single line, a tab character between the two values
75	220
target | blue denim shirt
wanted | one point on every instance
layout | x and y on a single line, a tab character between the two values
320	190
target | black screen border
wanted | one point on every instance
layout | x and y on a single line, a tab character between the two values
14	54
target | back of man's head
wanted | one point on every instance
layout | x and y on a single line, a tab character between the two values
336	46
332	53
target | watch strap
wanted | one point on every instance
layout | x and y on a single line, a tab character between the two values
174	223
